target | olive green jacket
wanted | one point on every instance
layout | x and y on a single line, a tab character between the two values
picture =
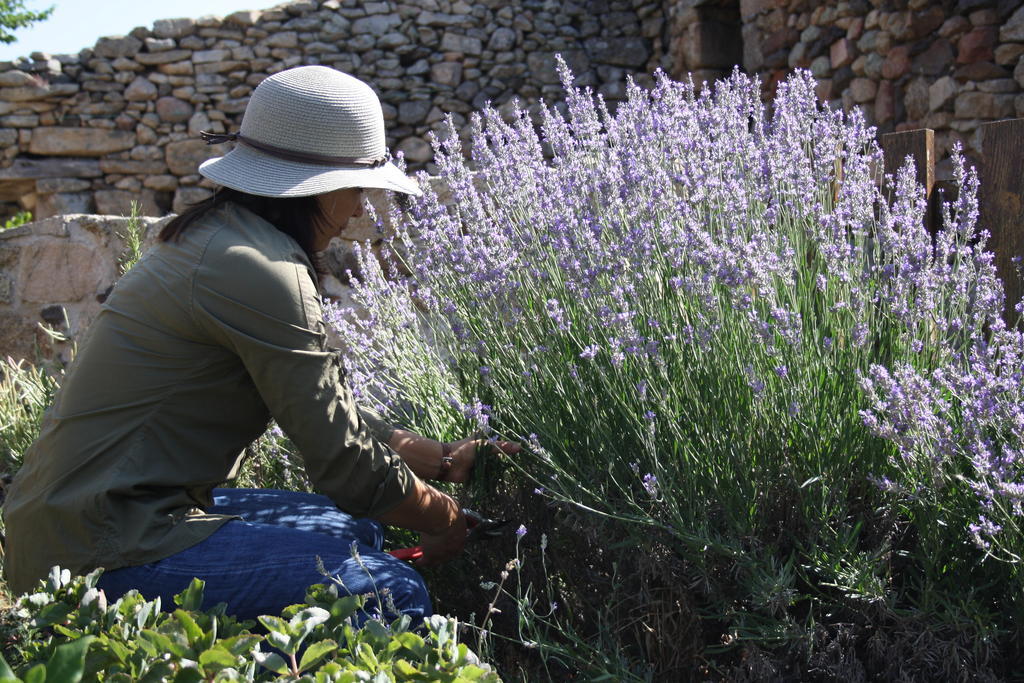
196	348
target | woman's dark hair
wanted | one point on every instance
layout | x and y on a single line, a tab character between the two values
297	217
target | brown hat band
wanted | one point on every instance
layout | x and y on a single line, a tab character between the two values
291	155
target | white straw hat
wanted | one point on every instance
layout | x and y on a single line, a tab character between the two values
306	131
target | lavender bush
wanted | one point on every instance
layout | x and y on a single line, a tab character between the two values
711	327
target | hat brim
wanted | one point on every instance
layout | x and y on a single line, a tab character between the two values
248	170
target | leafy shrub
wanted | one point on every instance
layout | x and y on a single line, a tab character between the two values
20	218
726	348
273	462
25	394
132	236
68	623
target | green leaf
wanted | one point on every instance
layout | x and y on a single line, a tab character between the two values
274	624
58	578
192	630
366	655
217	658
404	668
162	642
343	608
67	663
192	597
321	593
471	672
331	668
241	644
37	674
158	673
92	578
188	675
119	650
272	661
145	611
283	642
5	669
69	633
148	646
54	613
315	652
413	643
303	623
377	631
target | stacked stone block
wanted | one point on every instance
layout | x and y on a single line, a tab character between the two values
56	272
118	122
949	65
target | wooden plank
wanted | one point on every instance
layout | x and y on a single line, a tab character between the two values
1002	202
919	144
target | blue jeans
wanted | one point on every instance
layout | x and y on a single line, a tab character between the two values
265	561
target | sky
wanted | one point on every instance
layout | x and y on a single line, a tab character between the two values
76	24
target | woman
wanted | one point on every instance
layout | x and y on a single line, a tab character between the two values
216	330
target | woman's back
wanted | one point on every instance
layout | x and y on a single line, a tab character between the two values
159	403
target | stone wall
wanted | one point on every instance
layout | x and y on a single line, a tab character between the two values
119	121
89	133
949	65
58	271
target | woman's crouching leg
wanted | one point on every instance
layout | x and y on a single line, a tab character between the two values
259	569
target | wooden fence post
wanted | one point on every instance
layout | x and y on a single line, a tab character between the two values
1002	202
919	144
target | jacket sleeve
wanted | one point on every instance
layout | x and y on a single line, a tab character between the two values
264	307
381	429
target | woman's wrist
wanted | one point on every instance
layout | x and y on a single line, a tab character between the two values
445	512
447	460
425	509
419	453
436	460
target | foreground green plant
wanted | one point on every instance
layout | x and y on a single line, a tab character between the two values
68	628
678	314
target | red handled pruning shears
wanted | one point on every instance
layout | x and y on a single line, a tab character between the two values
480	528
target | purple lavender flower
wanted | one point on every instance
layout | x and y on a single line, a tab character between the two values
521	531
706	240
557	314
478	413
650	484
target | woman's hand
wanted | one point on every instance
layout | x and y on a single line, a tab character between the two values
439	519
464	455
438	548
